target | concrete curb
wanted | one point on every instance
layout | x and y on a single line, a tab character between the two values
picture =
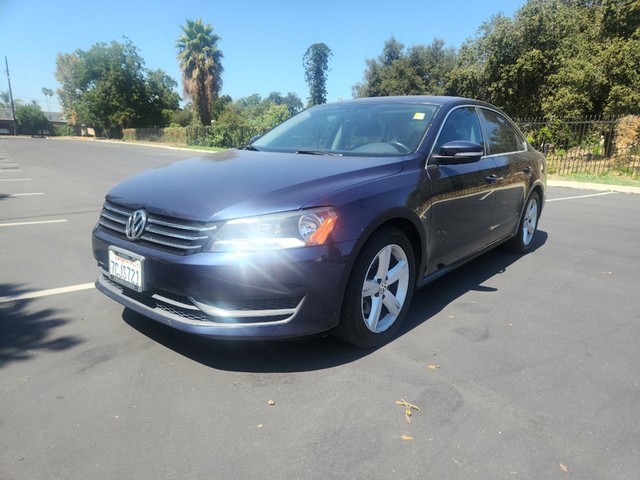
600	187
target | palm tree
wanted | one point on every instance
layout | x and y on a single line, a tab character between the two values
48	93
200	62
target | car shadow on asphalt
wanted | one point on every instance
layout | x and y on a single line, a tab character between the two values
434	297
24	330
321	352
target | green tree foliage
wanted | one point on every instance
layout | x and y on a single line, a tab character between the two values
563	58
31	119
419	70
108	88
258	113
316	67
5	99
200	62
48	93
290	100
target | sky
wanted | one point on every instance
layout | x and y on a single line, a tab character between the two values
263	42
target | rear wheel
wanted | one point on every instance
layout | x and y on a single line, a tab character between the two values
379	290
523	240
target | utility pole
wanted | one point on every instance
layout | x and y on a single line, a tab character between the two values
13	107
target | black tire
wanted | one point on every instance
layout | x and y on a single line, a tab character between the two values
359	323
527	227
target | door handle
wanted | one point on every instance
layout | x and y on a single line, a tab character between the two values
493	178
527	170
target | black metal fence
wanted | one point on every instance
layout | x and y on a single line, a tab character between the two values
594	145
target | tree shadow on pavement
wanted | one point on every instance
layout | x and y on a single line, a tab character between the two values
321	352
24	330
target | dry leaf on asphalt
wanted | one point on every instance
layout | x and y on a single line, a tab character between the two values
271	402
408	405
433	366
407	414
406	437
564	468
260	426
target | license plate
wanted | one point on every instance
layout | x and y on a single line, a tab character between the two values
126	268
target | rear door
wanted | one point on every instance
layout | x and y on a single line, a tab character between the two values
508	150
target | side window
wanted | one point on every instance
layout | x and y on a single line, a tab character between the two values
501	136
461	124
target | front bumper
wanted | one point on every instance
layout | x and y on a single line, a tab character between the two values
281	294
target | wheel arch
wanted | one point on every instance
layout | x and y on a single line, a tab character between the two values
409	224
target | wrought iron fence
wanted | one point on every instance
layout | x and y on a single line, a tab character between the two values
593	145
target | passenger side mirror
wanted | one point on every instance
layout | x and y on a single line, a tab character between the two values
458	152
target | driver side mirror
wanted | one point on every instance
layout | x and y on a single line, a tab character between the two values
458	152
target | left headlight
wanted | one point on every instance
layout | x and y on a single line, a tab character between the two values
303	228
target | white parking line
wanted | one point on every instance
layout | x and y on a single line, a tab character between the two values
14	179
15	195
580	196
47	293
20	224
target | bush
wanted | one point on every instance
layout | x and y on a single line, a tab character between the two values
627	136
63	131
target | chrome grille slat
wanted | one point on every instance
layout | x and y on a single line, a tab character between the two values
168	244
108	216
174	235
110	207
181	227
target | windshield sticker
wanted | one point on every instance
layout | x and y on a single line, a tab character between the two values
418	116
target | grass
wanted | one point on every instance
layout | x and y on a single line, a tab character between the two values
608	178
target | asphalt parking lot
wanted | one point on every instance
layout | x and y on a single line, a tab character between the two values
522	367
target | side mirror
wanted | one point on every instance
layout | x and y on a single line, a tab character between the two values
458	152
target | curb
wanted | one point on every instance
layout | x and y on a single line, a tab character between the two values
600	187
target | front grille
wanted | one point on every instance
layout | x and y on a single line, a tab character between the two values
168	234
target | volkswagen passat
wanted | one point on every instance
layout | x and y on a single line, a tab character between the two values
328	222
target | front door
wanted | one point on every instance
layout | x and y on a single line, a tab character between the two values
462	196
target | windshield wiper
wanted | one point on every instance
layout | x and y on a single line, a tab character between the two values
318	152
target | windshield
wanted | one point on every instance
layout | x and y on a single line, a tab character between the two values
353	129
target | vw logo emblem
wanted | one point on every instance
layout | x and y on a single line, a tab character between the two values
135	224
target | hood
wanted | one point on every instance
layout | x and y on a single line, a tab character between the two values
237	183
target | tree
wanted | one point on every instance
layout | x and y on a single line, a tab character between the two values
316	66
31	119
108	88
200	62
291	100
161	97
48	93
5	99
420	70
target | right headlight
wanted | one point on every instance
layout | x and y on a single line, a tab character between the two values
302	228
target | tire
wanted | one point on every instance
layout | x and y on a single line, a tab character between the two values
523	240
379	290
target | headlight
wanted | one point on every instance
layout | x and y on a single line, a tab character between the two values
303	228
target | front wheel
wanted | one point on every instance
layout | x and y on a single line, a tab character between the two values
379	290
523	240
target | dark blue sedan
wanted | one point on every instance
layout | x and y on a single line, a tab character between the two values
329	222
